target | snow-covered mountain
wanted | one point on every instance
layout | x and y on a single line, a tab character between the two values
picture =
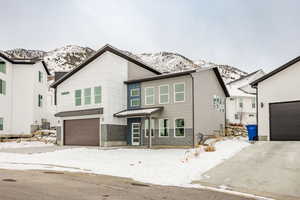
70	56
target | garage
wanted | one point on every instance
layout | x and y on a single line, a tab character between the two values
285	121
82	132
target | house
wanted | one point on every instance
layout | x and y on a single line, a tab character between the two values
23	90
278	100
110	97
241	105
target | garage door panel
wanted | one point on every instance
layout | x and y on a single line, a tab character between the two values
285	121
83	132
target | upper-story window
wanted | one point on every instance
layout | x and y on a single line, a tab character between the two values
2	67
240	102
77	97
87	96
179	92
135	102
1	124
98	94
40	100
164	94
2	87
253	103
40	76
135	92
149	96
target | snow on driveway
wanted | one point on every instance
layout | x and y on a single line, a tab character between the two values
10	145
163	166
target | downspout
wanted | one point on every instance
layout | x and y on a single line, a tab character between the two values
193	111
257	111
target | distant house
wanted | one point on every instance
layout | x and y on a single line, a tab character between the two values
114	99
23	93
278	98
241	105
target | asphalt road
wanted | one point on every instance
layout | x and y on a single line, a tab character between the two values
51	185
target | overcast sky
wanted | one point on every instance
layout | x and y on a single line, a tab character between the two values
247	34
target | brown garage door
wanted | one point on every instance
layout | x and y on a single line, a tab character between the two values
83	132
285	121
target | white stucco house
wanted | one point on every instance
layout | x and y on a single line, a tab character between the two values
241	105
278	98
23	90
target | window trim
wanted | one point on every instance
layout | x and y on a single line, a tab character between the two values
149	95
3	87
133	100
175	128
2	120
152	135
159	100
100	95
40	77
138	89
184	93
84	96
40	101
4	67
159	128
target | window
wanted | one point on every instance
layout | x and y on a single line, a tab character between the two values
149	96
40	100
164	94
3	67
1	124
98	95
163	127
135	92
87	96
236	116
179	92
251	115
179	128
40	76
240	102
77	97
147	127
2	87
135	102
253	103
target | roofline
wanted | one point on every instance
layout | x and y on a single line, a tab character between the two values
170	75
105	48
243	77
22	62
221	81
279	69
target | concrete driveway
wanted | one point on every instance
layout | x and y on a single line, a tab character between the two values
269	169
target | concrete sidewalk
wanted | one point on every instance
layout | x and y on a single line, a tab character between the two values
33	150
266	168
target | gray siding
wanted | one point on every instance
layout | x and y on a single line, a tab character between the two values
207	119
171	111
136	72
111	133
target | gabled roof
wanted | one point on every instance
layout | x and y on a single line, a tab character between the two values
105	48
243	77
279	69
23	61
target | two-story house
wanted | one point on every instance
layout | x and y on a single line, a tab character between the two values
23	90
111	98
241	105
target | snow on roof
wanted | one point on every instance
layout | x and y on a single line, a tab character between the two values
138	112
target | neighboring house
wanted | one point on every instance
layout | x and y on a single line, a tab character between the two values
107	99
23	90
278	98
241	105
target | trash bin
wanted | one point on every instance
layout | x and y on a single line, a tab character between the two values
252	132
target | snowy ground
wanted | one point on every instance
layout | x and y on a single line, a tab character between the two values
177	167
23	144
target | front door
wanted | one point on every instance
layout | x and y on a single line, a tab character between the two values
135	133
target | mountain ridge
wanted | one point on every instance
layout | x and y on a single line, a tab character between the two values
70	56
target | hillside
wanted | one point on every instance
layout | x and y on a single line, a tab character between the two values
70	56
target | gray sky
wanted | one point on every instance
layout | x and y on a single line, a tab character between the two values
247	34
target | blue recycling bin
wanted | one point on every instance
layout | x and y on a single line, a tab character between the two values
252	132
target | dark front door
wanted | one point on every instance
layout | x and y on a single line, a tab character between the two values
285	121
83	132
